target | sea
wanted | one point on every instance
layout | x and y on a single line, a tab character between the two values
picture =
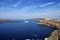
23	30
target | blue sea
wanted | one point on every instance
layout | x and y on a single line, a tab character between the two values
24	31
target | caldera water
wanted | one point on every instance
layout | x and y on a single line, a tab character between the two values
23	31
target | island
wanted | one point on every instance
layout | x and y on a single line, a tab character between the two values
6	21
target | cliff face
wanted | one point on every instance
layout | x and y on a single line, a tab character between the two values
51	23
53	36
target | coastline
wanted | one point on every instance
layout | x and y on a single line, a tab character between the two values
54	24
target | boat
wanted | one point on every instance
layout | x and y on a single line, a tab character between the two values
26	21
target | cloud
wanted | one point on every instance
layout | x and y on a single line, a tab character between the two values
17	4
25	12
21	15
46	4
28	8
2	8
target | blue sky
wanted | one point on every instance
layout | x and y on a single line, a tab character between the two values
27	9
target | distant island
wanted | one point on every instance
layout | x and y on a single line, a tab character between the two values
4	21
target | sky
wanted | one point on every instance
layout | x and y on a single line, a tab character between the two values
28	9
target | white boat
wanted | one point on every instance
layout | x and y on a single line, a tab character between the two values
46	38
26	21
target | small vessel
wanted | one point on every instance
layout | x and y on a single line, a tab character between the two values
46	38
26	21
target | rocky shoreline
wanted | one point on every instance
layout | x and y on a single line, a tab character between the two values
51	23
